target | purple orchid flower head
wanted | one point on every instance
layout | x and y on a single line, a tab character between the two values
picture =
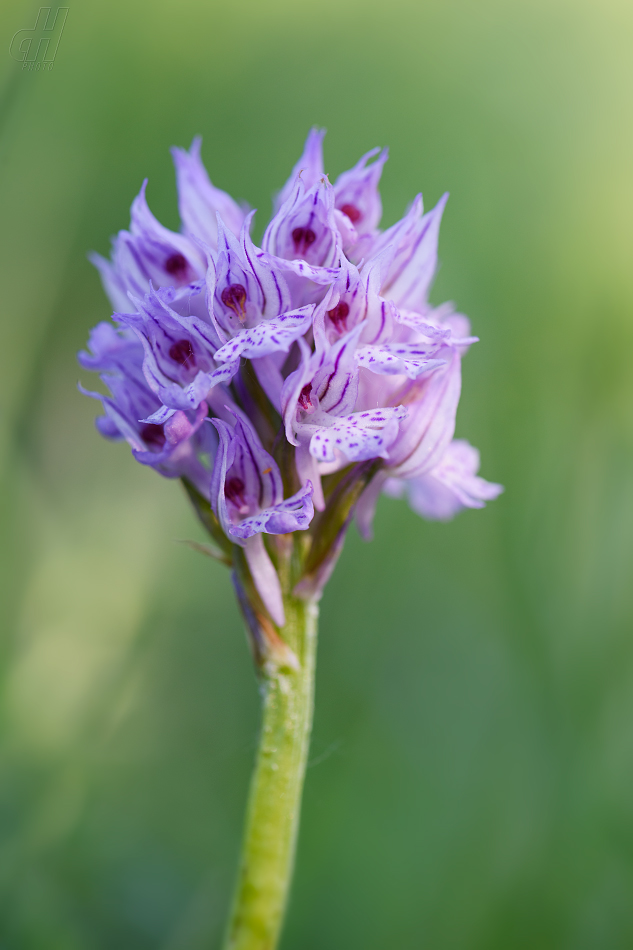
287	385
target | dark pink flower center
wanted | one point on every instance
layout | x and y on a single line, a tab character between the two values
304	400
352	213
234	490
153	436
303	238
234	297
177	266
182	352
338	315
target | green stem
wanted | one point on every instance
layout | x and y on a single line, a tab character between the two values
272	818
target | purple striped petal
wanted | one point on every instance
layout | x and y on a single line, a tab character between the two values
199	201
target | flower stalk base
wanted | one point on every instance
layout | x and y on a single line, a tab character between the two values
272	818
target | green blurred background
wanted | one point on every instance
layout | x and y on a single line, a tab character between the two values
471	784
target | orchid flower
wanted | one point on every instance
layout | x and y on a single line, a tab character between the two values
175	448
287	386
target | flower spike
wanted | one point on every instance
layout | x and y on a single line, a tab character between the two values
317	351
288	386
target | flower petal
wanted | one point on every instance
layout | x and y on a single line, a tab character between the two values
449	487
309	166
410	359
409	278
356	192
178	352
269	337
304	227
335	383
426	433
199	201
359	436
148	252
294	514
265	578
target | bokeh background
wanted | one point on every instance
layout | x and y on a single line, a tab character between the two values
471	780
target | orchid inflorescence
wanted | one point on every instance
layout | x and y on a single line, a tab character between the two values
287	385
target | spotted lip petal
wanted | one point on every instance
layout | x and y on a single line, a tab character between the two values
294	514
266	338
410	359
359	436
318	403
